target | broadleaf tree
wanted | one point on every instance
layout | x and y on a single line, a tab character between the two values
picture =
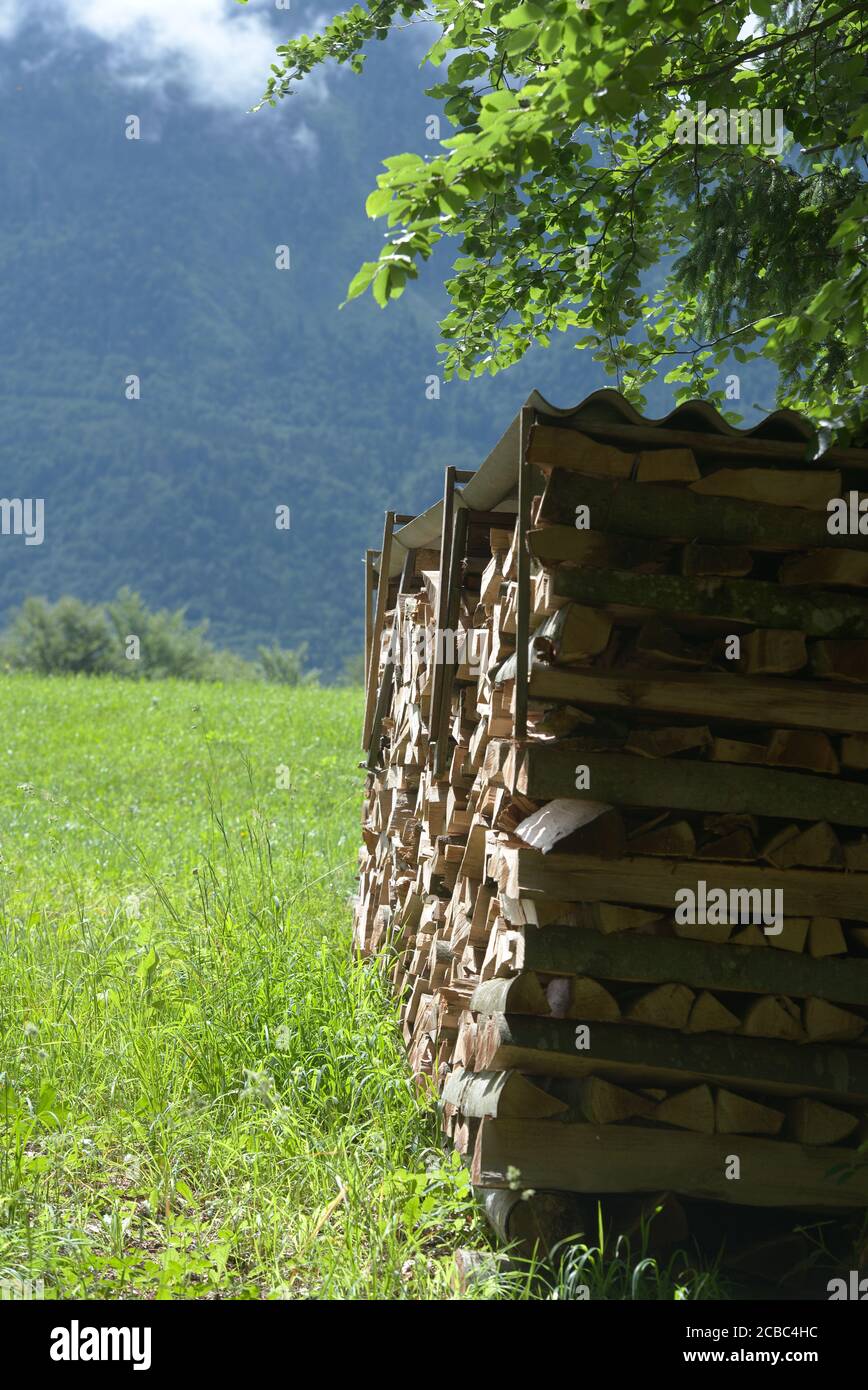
671	182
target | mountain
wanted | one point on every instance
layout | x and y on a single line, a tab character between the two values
156	258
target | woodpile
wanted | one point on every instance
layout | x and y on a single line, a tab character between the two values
616	817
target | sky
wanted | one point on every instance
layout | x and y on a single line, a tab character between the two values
218	50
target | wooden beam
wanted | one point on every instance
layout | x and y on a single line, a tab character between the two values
733	600
677	514
633	1054
614	1158
387	681
442	596
659	960
369	602
545	773
743	699
522	633
448	664
652	882
735	447
376	633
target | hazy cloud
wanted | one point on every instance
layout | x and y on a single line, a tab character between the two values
217	51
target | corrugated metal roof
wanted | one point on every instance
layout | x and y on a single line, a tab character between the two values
497	476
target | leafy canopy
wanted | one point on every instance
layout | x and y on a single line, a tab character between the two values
578	208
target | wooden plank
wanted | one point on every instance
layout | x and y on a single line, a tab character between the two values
751	700
731	600
632	1054
677	514
548	772
653	882
587	1158
653	959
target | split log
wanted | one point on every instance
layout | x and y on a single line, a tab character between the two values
854	752
691	1109
668	1006
552	447
681	514
656	642
575	632
522	995
676	839
777	487
826	568
758	700
548	772
735	1114
791	937
667	742
825	938
639	959
812	1122
635	1056
825	1022
502	1094
812	848
708	1015
553	544
772	652
730	561
618	1158
773	1017
811	752
667	466
841	661
731	600
601	1103
649	882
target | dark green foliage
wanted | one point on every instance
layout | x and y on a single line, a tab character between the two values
72	637
574	171
58	639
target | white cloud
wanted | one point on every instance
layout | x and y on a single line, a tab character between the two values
217	51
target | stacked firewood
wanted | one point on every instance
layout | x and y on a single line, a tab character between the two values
616	820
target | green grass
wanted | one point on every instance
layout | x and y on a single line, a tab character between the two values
201	1093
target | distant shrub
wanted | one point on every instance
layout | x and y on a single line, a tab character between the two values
283	667
169	646
126	638
353	670
59	638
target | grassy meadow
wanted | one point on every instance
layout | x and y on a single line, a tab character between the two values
201	1093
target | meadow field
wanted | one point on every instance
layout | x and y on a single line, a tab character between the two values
201	1093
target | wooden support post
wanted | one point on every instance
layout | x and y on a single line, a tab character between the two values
522	635
445	638
445	545
377	631
389	669
369	603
